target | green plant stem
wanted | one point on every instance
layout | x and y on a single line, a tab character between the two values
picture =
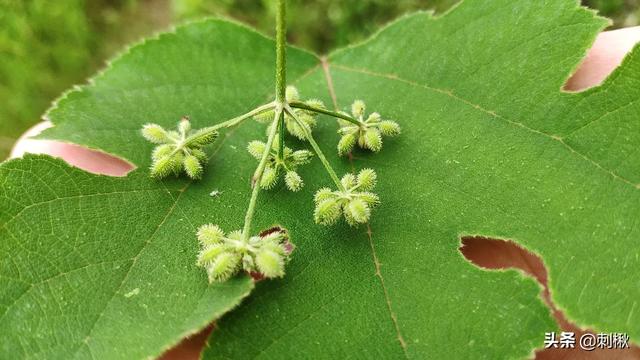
237	120
281	52
281	131
257	176
301	105
232	122
317	149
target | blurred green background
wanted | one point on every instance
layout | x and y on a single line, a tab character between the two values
46	46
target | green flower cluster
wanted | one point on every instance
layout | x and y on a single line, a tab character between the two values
222	256
305	116
286	164
178	151
368	133
354	202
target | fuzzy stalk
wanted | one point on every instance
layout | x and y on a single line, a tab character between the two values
257	176
317	149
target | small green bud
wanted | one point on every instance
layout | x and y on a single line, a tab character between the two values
269	178
155	134
366	179
389	128
293	181
270	264
256	148
210	234
184	126
348	181
192	166
327	212
346	143
358	108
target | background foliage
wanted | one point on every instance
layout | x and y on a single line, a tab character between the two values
47	46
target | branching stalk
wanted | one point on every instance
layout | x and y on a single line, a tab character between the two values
304	106
316	148
257	176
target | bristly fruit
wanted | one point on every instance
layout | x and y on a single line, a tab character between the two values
354	202
224	255
178	151
368	133
277	164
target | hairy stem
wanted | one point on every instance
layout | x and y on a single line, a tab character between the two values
317	149
257	176
301	105
281	52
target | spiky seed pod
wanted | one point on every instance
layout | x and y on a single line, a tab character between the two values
209	254
389	128
178	151
346	143
353	201
192	167
270	264
367	179
301	157
322	194
366	133
292	94
293	181
155	134
358	210
372	140
223	267
278	165
269	178
223	256
210	234
370	198
202	137
163	167
200	155
348	181
256	148
327	212
161	151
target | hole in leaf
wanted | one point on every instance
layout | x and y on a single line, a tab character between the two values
502	254
93	161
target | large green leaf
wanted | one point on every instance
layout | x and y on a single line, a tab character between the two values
103	267
491	146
